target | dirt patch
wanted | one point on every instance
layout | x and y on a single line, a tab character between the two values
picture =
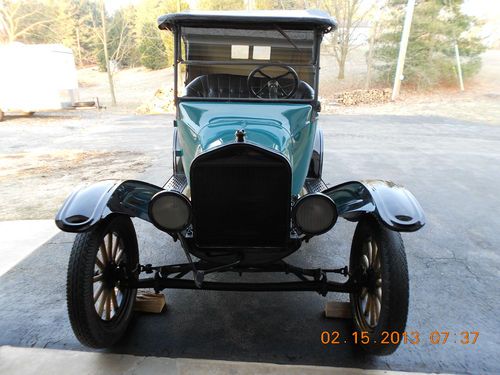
133	86
459	106
35	184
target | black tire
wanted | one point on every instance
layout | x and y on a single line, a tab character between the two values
89	327
387	275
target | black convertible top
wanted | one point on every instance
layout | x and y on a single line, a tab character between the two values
260	19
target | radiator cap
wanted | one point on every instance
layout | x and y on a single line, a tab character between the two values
240	135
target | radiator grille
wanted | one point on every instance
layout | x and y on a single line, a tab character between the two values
241	197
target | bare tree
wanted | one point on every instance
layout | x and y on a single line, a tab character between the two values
101	33
117	41
122	40
369	55
106	54
349	15
376	12
13	17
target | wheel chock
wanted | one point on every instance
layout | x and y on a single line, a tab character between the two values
338	310
150	302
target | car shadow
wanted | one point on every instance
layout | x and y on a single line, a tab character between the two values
239	326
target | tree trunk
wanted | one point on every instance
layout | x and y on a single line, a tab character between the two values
106	54
341	74
80	62
369	57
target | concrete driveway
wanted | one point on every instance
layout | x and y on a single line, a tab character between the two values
452	167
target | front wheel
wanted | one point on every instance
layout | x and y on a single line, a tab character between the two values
99	308
380	308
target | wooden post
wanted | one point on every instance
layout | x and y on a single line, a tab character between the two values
402	49
457	54
459	67
106	54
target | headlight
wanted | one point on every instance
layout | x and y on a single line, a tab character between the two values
170	211
315	213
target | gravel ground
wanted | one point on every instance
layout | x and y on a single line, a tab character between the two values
49	154
59	150
480	101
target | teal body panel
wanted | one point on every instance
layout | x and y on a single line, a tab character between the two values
283	127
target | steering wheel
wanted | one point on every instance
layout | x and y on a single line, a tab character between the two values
276	87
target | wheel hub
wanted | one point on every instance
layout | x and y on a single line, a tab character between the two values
110	275
108	295
371	280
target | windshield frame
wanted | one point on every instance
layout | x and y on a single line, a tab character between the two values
178	60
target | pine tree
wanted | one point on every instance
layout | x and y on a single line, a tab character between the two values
430	58
152	49
147	12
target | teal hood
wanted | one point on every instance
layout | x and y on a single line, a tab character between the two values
285	128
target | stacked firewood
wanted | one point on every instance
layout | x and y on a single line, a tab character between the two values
355	97
161	102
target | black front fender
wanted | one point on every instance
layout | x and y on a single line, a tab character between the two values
392	204
87	206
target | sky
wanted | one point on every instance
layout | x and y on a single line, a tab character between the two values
487	9
113	5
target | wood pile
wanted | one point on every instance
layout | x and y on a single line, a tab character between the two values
371	96
162	102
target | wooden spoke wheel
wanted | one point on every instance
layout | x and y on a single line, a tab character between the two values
380	308
109	297
99	307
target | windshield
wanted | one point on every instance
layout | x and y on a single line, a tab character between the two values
248	63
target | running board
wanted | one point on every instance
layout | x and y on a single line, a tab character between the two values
315	185
177	182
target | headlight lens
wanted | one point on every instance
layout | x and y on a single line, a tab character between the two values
170	211
315	213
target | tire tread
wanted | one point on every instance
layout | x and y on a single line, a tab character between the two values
75	290
394	313
86	325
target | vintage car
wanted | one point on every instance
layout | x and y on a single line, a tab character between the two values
246	189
